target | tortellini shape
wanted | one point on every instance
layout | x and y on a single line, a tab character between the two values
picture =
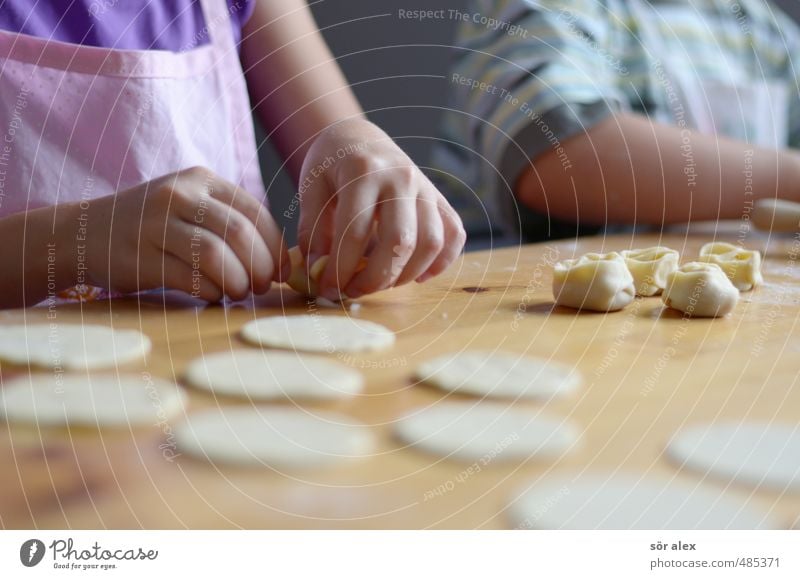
700	289
598	282
303	279
742	266
650	268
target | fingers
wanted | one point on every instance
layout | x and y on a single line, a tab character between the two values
355	211
430	240
454	239
266	227
204	251
178	275
397	240
315	228
239	233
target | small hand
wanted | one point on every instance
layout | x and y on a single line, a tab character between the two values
362	196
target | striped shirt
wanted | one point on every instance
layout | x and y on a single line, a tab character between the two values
530	74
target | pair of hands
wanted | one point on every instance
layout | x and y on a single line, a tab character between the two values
193	231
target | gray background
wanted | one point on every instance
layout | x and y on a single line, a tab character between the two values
397	69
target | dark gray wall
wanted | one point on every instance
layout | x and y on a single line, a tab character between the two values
397	68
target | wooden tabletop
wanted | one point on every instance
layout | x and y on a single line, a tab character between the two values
647	373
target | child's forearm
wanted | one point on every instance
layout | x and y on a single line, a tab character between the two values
40	255
295	84
628	169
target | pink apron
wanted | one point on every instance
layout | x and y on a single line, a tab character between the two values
80	122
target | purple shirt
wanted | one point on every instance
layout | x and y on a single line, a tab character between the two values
175	25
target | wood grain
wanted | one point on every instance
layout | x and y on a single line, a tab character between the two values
647	371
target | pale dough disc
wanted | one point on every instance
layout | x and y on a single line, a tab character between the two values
621	502
71	346
499	374
315	333
93	400
271	375
485	431
756	454
276	437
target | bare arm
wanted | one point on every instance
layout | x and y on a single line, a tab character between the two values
44	263
629	169
296	85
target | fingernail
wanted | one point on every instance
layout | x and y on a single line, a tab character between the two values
424	277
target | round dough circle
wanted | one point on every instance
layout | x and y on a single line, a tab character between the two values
264	375
71	346
499	374
315	333
622	502
485	431
756	454
94	400
278	437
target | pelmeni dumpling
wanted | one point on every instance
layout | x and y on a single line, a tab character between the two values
742	266
700	290
304	279
650	268
595	281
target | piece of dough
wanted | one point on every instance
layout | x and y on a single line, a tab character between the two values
315	333
777	215
485	432
263	375
756	454
89	400
71	346
700	290
499	374
275	437
650	268
622	502
595	281
305	280
742	266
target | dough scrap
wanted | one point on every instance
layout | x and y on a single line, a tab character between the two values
622	502
90	400
762	455
599	282
700	290
650	268
485	431
305	280
71	346
499	374
316	333
742	266
264	375
276	437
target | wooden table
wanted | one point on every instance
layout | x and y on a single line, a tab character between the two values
647	373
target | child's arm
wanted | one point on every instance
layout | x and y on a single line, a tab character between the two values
629	169
350	173
189	230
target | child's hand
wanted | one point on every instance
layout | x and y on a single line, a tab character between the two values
190	230
359	194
